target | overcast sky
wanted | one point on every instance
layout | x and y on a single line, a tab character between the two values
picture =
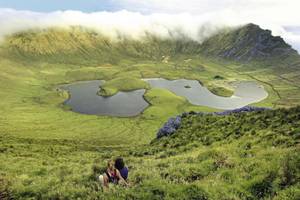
281	16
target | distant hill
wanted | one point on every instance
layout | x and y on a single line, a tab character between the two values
81	45
247	43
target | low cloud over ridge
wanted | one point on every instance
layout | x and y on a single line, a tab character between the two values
133	24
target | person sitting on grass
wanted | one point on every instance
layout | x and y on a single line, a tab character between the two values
112	175
120	165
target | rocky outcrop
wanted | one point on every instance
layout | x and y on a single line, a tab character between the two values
173	123
169	127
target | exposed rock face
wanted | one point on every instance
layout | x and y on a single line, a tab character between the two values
247	43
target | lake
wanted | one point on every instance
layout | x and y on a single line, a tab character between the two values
245	93
84	98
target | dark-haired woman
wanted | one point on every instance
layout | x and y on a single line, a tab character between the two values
120	166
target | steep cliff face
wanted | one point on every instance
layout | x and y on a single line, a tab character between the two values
247	43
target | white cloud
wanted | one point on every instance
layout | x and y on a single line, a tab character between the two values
270	14
167	17
282	11
131	24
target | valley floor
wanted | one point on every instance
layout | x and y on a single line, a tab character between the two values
49	152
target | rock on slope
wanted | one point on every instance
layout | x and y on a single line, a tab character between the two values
173	124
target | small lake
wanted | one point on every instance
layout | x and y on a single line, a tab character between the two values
245	93
84	98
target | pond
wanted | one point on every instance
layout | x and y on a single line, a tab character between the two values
246	92
84	98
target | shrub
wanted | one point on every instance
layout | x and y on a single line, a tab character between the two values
218	77
194	192
292	193
96	171
261	188
290	170
150	190
5	192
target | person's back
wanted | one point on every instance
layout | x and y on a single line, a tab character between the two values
119	164
124	173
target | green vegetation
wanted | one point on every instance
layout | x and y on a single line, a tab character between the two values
220	91
111	87
218	77
79	45
48	152
239	156
165	102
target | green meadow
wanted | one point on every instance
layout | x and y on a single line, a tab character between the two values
49	152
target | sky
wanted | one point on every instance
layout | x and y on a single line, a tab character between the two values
54	5
195	18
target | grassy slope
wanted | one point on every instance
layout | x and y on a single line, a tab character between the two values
45	148
47	151
241	156
78	45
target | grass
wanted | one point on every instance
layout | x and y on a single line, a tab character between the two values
112	87
220	91
48	152
234	155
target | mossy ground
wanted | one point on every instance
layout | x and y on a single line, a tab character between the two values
48	152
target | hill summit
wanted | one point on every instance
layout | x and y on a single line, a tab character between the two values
246	43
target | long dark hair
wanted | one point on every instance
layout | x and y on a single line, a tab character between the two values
119	163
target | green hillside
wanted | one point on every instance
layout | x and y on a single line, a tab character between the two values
49	152
78	45
209	157
239	156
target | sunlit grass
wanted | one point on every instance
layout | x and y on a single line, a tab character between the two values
47	151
